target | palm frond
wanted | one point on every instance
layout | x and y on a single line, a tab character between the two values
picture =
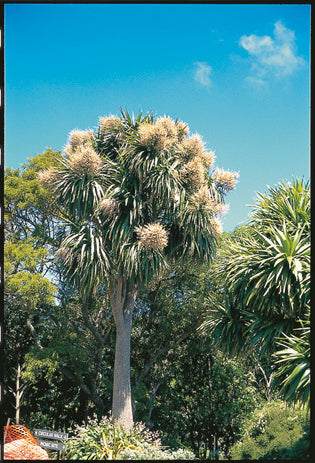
294	362
87	262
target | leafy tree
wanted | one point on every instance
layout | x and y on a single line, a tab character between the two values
134	194
268	281
274	432
43	316
28	206
205	399
166	315
27	294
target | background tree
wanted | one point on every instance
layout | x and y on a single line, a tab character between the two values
27	295
268	283
45	320
205	399
274	431
167	313
134	194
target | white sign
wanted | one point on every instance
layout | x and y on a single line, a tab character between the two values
52	445
51	434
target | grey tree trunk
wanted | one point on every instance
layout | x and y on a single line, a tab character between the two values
123	296
18	396
18	393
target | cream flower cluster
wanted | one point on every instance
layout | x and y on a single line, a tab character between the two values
109	123
225	179
109	207
85	161
77	139
182	130
201	198
152	136
194	172
152	236
217	229
195	147
48	177
65	255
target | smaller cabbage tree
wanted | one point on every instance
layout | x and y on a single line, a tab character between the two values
267	275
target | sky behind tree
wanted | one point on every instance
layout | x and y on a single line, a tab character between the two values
239	75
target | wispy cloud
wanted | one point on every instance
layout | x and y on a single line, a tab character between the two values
202	73
275	56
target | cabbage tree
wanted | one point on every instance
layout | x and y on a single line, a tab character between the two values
267	276
134	194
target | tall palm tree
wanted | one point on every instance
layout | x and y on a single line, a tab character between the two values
134	194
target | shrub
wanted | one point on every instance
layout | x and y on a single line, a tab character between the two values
154	452
275	432
103	440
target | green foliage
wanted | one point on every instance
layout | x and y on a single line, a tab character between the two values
23	256
35	365
269	272
153	452
103	440
294	365
38	334
274	432
205	399
52	402
28	206
24	281
287	202
266	272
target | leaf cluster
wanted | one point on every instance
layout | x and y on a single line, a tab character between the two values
274	432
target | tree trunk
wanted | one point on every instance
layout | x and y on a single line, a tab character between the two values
123	296
18	395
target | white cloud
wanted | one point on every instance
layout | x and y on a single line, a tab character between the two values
255	80
272	56
202	73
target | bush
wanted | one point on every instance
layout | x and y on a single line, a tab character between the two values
103	440
153	452
275	432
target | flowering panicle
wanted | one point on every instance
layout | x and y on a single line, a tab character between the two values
207	158
109	124
202	198
78	138
182	130
48	177
194	172
152	136
192	147
221	208
170	128
152	236
216	227
159	135
224	179
85	161
109	207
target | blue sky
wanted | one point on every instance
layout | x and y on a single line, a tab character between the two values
237	74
